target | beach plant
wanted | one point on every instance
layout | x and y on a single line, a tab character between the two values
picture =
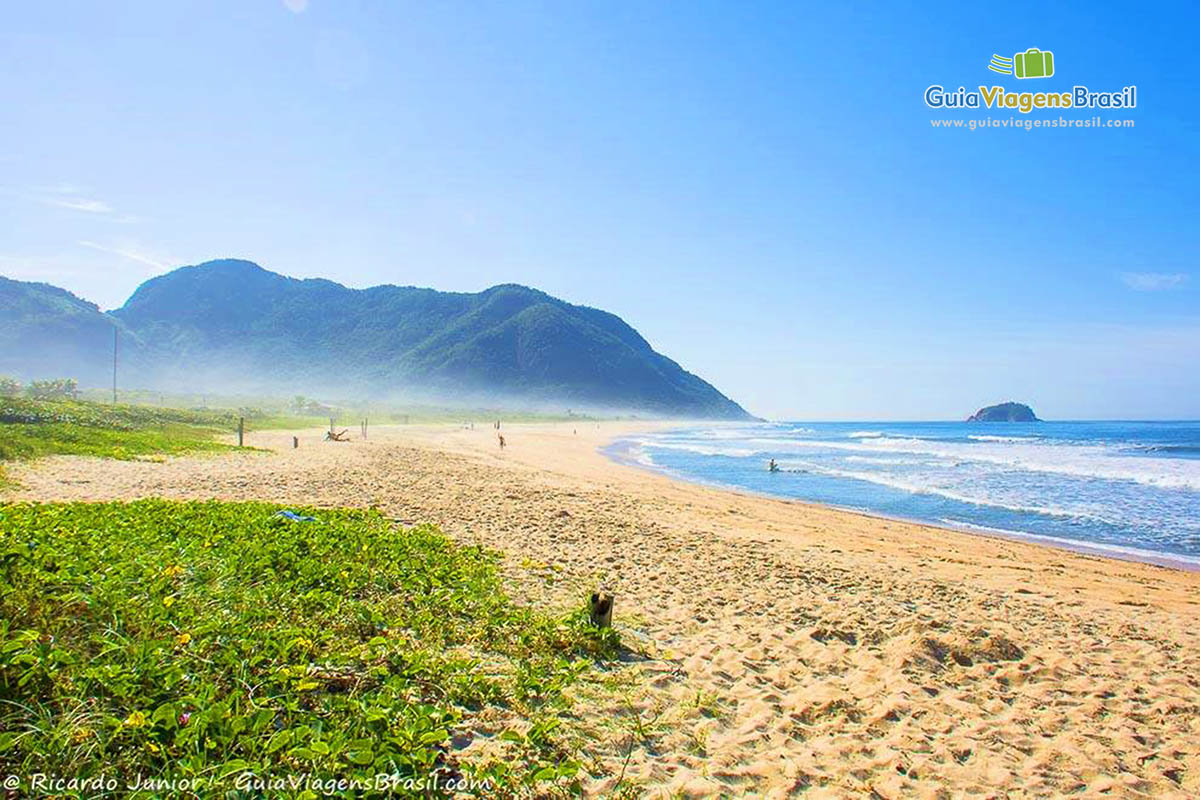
225	645
54	389
31	428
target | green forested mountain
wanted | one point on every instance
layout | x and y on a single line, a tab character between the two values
49	332
235	322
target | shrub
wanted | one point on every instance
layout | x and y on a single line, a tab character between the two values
57	389
177	640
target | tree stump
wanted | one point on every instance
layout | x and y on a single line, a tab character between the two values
600	610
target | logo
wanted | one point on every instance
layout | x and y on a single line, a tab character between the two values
1033	63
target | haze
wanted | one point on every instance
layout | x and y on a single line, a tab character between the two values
758	191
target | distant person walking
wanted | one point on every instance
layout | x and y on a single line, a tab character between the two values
501	441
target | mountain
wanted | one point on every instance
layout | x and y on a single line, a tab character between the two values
1004	412
43	324
233	323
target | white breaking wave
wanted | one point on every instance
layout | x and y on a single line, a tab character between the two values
701	449
958	495
1082	461
1090	489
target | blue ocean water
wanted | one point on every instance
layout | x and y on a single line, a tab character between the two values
1127	489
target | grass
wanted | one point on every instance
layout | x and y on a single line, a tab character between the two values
33	428
204	641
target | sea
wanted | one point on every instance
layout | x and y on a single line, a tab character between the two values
1122	489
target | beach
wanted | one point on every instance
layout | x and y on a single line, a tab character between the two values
781	647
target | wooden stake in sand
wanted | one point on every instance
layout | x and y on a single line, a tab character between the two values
241	430
600	610
114	366
295	442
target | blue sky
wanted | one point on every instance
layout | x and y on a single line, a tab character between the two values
756	187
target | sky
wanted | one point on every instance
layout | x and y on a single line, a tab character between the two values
758	188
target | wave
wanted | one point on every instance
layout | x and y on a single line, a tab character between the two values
1081	461
1119	488
701	449
980	437
913	487
888	462
1180	449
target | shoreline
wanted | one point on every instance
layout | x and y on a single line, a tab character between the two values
781	647
618	454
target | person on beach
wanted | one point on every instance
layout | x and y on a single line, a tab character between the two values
501	441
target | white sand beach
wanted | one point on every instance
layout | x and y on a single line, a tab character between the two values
792	648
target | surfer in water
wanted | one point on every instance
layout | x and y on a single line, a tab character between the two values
772	466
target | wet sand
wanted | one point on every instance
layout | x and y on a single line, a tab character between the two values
789	648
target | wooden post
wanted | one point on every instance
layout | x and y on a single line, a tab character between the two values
331	424
295	442
114	365
600	610
241	430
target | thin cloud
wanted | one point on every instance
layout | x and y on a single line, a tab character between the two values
1153	281
132	253
79	204
64	188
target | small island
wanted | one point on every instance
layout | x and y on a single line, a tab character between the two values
1004	412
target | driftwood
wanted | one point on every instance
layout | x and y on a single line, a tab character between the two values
600	610
340	436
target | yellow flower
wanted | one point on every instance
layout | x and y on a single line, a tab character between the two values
135	720
169	601
173	570
153	747
183	638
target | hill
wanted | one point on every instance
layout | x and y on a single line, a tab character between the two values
45	325
233	323
1004	412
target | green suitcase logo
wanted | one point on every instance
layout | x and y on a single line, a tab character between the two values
1033	63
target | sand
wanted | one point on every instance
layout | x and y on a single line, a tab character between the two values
787	648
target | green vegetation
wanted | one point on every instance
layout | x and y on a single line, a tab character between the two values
210	640
32	428
56	389
9	387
